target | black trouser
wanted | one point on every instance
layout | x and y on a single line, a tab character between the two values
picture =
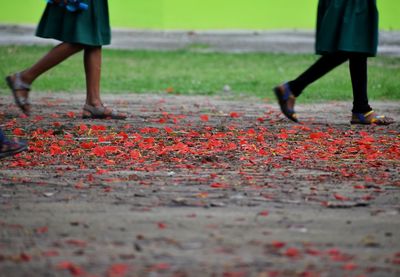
358	73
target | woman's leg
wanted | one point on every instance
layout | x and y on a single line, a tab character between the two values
362	112
92	61
55	56
94	107
21	82
359	80
322	66
287	93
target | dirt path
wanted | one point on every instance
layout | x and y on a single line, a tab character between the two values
196	186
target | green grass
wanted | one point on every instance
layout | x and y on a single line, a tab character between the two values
193	72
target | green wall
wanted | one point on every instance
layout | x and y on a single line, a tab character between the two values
202	14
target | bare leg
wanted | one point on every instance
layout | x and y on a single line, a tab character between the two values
92	61
55	56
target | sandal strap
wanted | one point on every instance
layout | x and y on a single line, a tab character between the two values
97	111
24	101
375	119
101	111
286	92
114	113
369	113
18	84
362	117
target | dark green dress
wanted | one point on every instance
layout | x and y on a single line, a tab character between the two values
347	26
89	27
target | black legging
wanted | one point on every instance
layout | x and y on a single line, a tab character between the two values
358	73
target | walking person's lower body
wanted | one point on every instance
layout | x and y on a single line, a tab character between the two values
20	83
362	113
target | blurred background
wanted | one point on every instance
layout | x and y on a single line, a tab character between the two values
202	14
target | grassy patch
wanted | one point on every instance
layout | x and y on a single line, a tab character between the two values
191	71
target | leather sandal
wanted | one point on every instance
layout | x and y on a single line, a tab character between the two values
284	94
10	148
370	118
15	85
102	112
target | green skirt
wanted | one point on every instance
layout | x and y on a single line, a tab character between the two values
347	26
89	27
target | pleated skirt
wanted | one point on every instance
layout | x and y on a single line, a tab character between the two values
88	27
347	26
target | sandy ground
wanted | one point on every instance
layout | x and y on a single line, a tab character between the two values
282	218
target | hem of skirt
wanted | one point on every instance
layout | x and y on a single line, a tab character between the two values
73	41
333	51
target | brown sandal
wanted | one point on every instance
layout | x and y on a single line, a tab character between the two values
102	112
15	85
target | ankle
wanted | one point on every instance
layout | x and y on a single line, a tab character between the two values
363	111
25	77
94	103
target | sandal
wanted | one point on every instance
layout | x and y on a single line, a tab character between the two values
102	112
10	148
370	118
284	94
15	85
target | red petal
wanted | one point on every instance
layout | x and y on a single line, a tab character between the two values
204	117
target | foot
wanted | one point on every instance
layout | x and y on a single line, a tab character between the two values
20	91
101	112
286	101
12	147
370	118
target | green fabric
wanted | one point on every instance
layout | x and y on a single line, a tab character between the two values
348	26
88	27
